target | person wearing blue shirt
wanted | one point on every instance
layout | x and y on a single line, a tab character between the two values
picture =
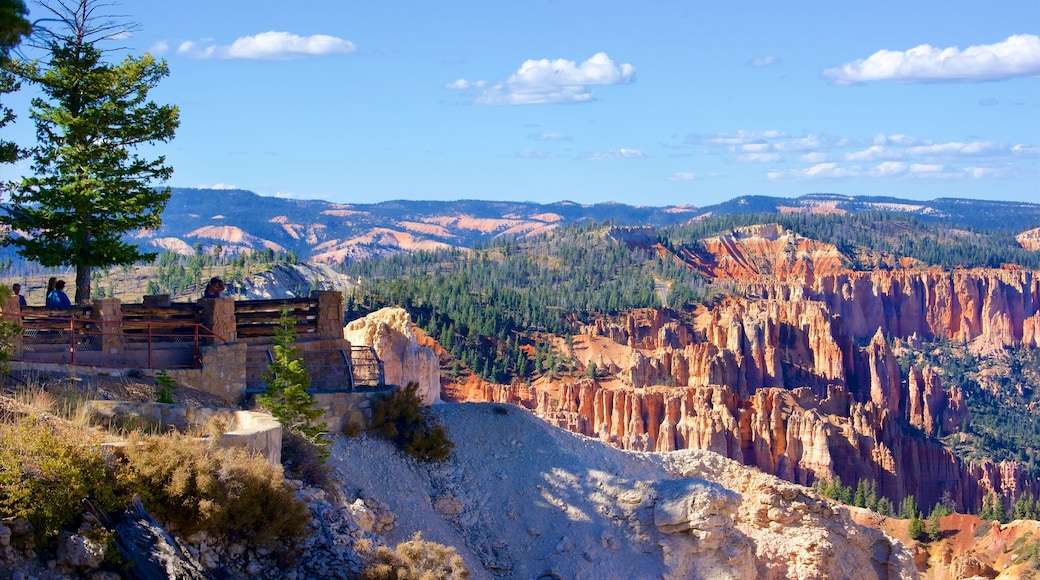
57	298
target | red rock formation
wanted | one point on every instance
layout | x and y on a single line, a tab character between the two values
997	307
765	249
779	385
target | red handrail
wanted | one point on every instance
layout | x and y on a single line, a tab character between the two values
78	328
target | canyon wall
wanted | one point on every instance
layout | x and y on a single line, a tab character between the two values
799	379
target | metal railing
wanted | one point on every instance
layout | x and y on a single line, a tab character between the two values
83	341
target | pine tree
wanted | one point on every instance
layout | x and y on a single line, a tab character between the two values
860	500
13	26
1025	508
884	506
287	379
917	529
934	528
986	513
908	508
89	186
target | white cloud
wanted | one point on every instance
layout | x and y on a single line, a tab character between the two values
828	170
759	158
754	147
549	137
895	156
219	186
926	167
534	154
807	143
270	45
764	61
735	138
551	81
980	172
954	148
873	153
160	47
683	176
897	139
890	168
616	154
1026	150
1018	56
463	84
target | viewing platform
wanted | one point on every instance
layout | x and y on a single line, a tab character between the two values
217	345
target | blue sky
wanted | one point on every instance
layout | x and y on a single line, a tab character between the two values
654	103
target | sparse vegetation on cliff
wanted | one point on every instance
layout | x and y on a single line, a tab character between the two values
1002	392
219	491
416	559
402	418
46	469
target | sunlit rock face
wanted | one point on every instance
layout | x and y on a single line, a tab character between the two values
389	333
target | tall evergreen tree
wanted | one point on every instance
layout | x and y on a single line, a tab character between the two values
90	186
13	27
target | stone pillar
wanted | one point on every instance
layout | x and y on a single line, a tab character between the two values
12	313
330	315
218	314
108	317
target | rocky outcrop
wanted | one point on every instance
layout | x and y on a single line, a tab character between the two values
992	307
1029	239
764	249
389	333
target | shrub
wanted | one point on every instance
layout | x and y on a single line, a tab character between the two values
218	491
917	529
305	461
8	330
164	387
415	559
402	418
47	470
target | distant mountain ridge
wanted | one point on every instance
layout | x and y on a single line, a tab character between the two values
328	232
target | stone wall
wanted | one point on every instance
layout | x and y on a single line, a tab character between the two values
348	411
258	433
222	372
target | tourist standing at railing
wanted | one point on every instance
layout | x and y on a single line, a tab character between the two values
214	288
57	298
17	289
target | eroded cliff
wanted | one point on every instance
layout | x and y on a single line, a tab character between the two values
799	377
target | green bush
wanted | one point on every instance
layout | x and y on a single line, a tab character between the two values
219	491
415	559
917	529
47	470
164	387
402	418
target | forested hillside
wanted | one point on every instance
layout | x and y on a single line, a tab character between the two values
488	304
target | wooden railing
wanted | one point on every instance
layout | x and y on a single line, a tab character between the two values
258	319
